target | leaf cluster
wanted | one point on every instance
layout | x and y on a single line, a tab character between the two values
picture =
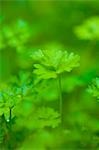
94	88
14	35
89	30
47	117
50	63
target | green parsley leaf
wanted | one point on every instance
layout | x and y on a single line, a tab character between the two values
50	63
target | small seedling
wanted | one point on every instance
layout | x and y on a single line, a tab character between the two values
51	64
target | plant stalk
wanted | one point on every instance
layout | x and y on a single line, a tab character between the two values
10	118
60	97
10	115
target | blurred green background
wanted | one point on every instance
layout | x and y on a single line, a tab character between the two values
29	25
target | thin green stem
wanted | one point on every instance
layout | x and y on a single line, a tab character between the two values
10	117
10	127
60	96
10	114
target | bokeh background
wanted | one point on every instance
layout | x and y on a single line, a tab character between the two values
29	25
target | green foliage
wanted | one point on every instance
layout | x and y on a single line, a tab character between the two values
14	35
3	129
18	93
51	63
43	103
14	93
47	117
94	88
42	89
9	98
89	30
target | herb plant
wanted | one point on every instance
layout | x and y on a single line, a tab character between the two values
43	100
52	63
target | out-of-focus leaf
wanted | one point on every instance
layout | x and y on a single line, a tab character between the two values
89	30
47	117
94	88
